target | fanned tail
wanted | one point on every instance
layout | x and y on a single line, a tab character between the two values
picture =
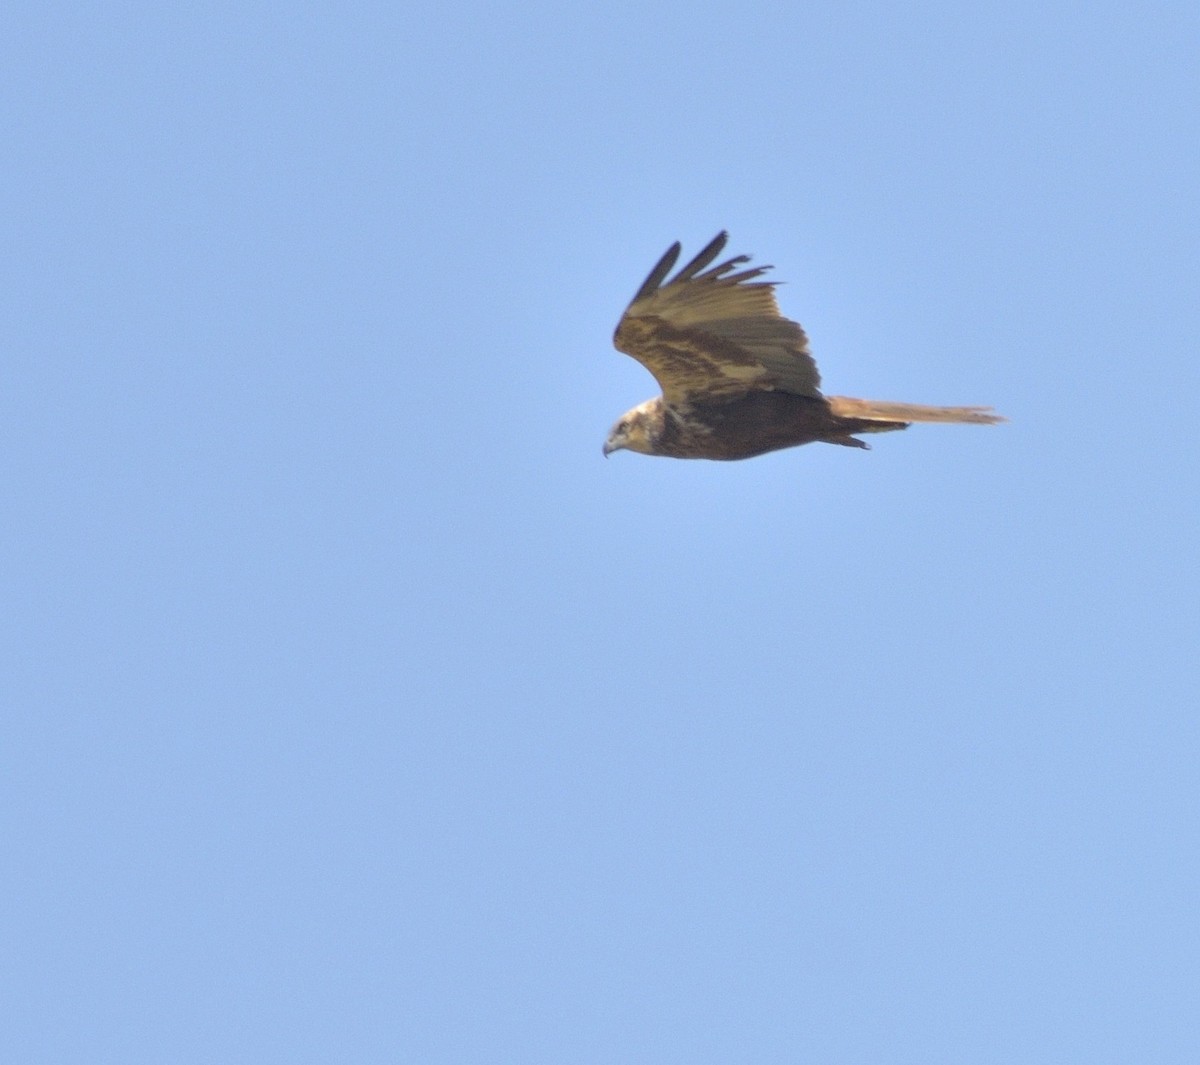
871	410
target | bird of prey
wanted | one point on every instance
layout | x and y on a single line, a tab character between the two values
737	377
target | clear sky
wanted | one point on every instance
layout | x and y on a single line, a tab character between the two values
353	708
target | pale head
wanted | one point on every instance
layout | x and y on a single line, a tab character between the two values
637	429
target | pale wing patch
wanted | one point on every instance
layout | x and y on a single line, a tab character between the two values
744	374
691	367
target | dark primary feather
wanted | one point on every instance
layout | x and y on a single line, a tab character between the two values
661	269
710	251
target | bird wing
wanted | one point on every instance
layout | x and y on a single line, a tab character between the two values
713	334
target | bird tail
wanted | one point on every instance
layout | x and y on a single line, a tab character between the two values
874	411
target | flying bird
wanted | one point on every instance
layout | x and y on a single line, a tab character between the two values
737	377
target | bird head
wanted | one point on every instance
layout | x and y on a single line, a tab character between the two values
634	430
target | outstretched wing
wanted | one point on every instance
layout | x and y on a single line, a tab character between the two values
710	334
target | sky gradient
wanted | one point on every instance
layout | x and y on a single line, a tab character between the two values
355	709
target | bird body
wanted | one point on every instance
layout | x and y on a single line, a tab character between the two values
738	428
737	377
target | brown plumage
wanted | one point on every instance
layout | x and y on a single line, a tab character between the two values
737	377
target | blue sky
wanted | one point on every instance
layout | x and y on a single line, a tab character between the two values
355	709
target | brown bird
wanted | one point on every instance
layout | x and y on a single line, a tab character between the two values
737	377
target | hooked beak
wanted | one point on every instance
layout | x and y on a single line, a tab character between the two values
607	449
